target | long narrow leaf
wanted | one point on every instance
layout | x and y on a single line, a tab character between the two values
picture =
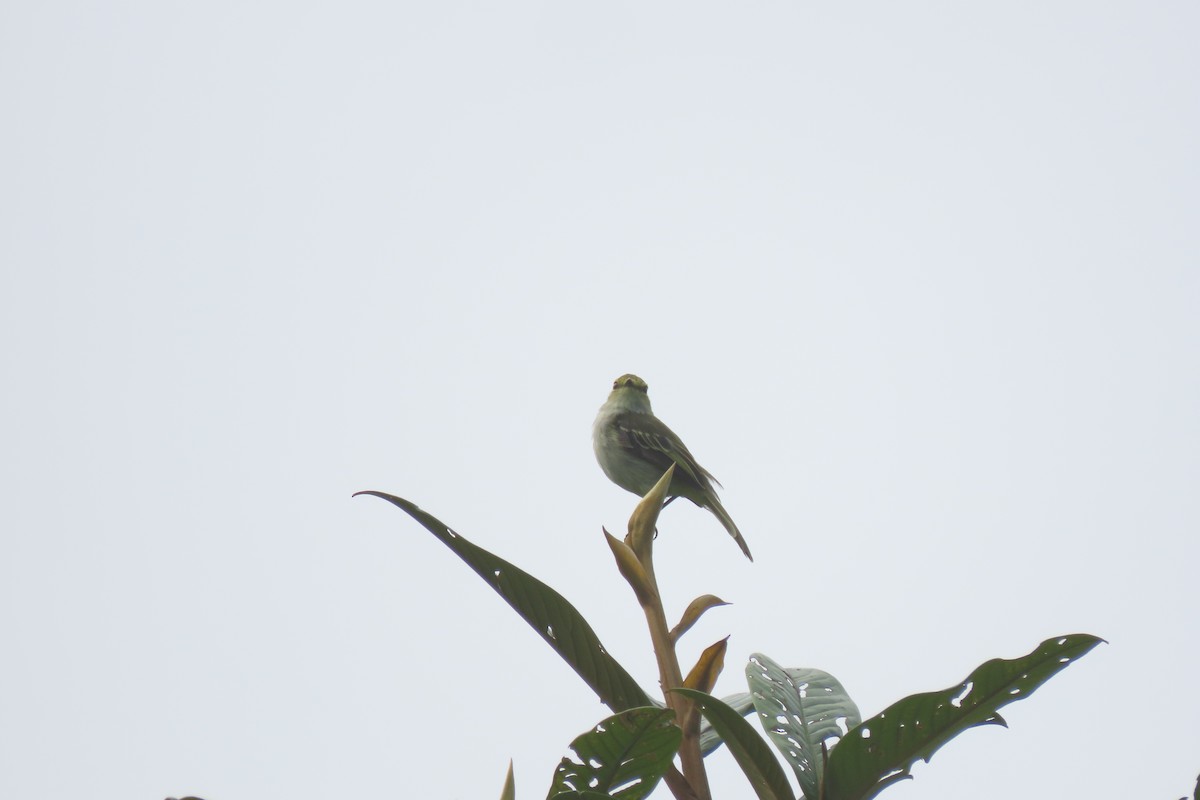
509	792
546	611
710	740
884	748
624	756
748	748
800	709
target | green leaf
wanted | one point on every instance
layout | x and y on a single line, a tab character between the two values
710	740
748	748
546	611
881	750
509	792
800	709
624	756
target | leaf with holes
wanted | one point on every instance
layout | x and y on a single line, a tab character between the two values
881	750
546	611
800	709
624	756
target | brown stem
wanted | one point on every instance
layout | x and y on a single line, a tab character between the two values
678	785
635	559
671	677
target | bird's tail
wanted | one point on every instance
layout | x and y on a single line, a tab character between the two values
718	510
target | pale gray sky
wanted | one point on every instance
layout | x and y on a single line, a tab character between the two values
918	282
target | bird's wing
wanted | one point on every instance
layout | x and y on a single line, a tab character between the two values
645	436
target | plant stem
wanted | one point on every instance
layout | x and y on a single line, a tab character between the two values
635	560
670	677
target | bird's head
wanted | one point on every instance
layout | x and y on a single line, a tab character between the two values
630	381
629	393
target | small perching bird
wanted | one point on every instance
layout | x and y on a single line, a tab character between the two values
634	449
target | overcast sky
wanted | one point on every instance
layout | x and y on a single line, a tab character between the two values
919	283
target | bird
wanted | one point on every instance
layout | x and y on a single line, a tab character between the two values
635	448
